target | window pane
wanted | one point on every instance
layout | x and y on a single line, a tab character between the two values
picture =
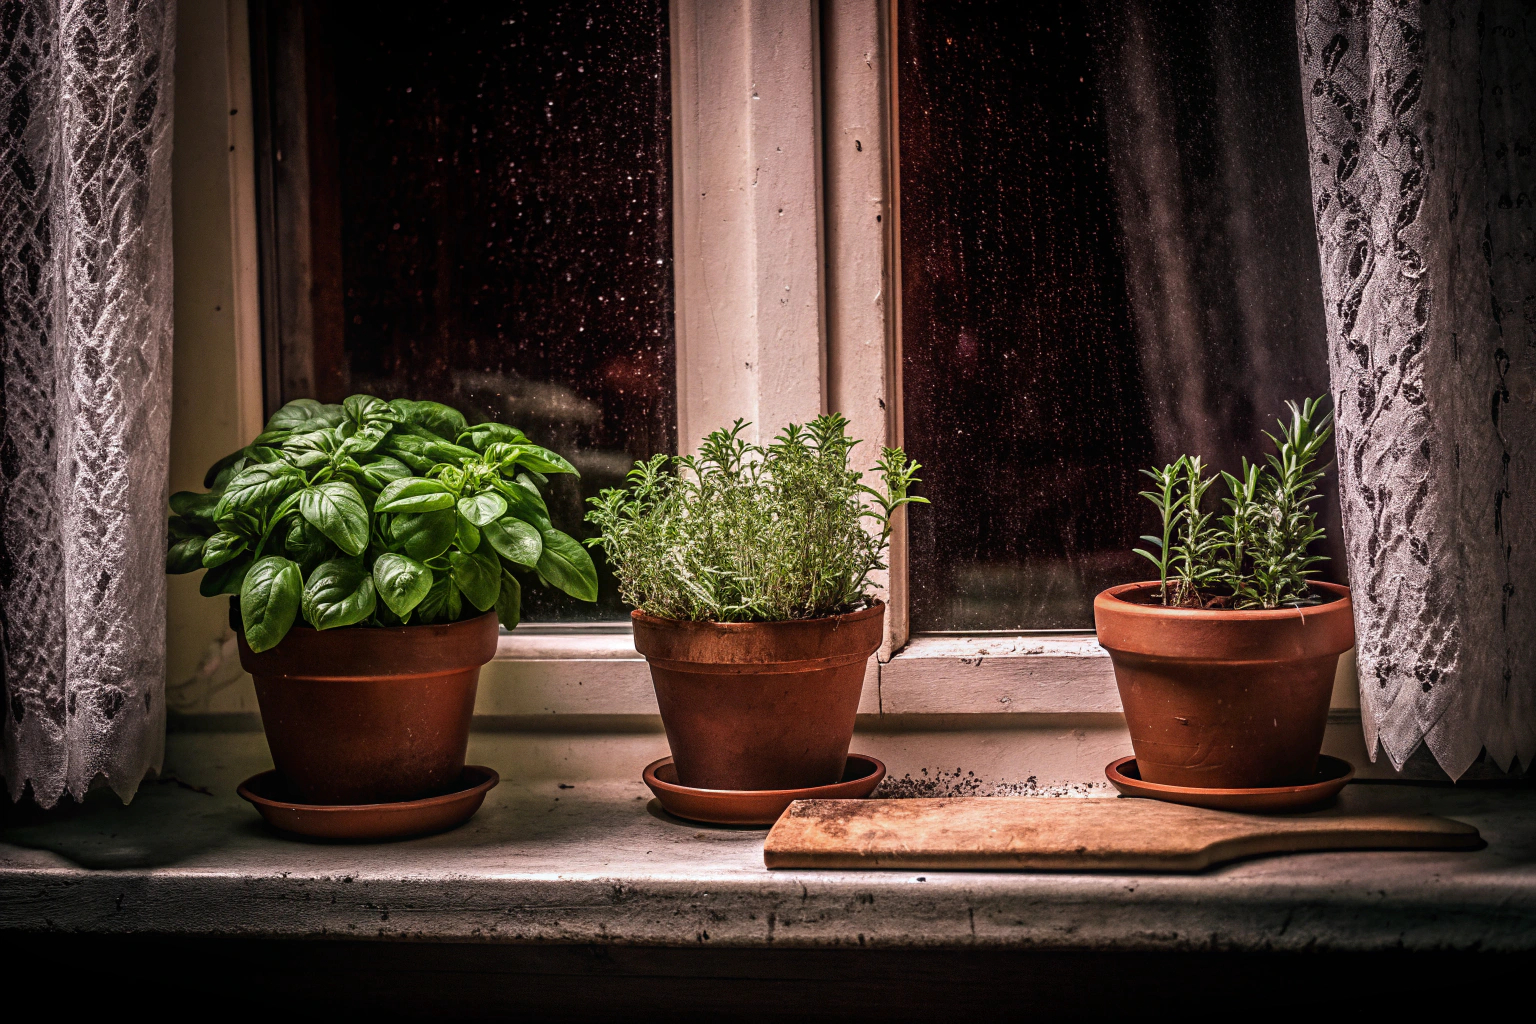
1107	259
489	208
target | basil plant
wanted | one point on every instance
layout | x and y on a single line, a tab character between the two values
374	513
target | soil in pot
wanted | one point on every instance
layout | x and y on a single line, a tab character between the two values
1224	699
361	715
759	705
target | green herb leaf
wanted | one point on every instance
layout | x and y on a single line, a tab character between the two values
224	579
414	494
482	435
401	582
306	545
220	468
365	438
444	421
442	603
269	601
185	555
425	535
222	547
515	540
509	603
255	489
382	471
339	593
196	508
477	577
467	536
337	510
566	565
304	414
364	409
483	508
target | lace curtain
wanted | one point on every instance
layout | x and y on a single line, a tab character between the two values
1420	119
85	350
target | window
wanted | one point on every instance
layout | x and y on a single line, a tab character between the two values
1107	259
472	203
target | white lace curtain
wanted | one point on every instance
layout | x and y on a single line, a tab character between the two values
85	351
1422	135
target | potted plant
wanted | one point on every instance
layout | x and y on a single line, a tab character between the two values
373	546
1226	662
748	568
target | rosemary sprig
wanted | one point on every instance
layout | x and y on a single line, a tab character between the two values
1258	554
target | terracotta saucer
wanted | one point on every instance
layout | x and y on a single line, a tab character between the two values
1332	774
755	806
363	822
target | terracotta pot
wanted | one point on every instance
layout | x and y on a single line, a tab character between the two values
1224	699
360	716
759	705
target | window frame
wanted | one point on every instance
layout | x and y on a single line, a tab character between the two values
786	246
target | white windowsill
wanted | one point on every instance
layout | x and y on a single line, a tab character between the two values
565	670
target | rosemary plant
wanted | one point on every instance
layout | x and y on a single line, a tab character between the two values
1257	555
742	533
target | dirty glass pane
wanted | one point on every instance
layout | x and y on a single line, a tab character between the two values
491	201
1107	259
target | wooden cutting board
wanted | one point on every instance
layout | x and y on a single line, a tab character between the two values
1034	833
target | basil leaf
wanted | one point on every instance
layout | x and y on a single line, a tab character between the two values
383	471
219	467
222	547
184	555
565	564
484	434
304	414
414	494
269	601
442	603
427	534
365	439
515	540
361	409
409	449
224	579
483	508
339	593
306	545
182	528
478	577
530	456
401	582
444	421
337	510
256	489
467	537
198	508
523	503
509	603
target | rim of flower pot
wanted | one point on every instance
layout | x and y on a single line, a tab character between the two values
1223	634
876	607
1122	606
423	648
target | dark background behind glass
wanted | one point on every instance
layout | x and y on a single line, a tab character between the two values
1108	259
490	209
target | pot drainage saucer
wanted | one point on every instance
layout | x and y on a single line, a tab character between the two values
755	806
365	822
1332	775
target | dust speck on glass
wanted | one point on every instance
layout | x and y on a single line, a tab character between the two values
484	220
1108	258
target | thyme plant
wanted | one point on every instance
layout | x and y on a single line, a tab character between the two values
742	533
1257	555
